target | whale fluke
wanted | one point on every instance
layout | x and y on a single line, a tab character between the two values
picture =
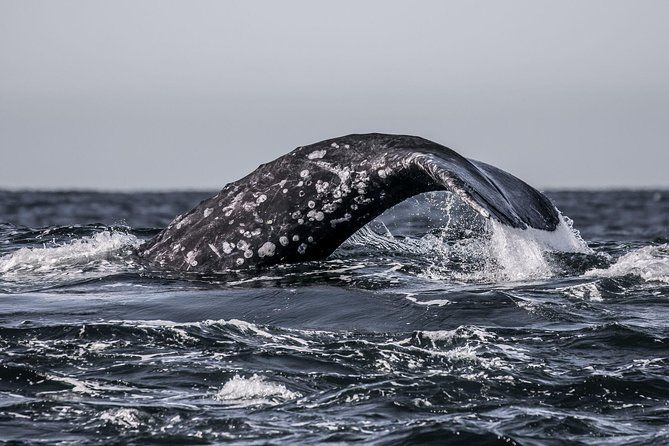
303	205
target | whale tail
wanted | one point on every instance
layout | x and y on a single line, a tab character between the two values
492	192
303	205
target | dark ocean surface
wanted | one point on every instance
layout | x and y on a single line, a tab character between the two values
431	325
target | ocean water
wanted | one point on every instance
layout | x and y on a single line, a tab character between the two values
430	325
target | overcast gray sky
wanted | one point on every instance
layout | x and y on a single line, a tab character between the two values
194	94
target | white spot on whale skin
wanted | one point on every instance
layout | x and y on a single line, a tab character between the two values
248	253
239	261
227	247
317	154
283	240
302	248
261	199
304	173
267	249
311	204
319	216
242	245
182	222
296	238
213	248
382	173
335	145
310	239
207	212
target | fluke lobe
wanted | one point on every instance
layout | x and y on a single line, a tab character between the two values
303	205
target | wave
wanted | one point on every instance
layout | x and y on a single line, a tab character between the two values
79	252
649	263
498	253
89	257
254	390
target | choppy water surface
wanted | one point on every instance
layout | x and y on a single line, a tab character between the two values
430	325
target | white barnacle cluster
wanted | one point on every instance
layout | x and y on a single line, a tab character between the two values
330	195
249	233
322	186
266	250
227	210
315	215
190	258
182	221
245	250
317	154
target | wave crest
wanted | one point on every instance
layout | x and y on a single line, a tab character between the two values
650	263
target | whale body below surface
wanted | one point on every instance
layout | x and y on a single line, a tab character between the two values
303	205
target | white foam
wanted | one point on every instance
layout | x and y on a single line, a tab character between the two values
126	418
460	333
76	252
650	263
254	390
437	302
587	291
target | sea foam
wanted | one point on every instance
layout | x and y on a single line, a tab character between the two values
254	390
650	263
77	252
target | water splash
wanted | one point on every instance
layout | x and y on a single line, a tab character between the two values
106	252
650	263
497	253
100	246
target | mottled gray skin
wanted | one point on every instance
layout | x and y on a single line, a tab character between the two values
303	205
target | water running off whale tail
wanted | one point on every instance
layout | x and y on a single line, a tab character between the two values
303	205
